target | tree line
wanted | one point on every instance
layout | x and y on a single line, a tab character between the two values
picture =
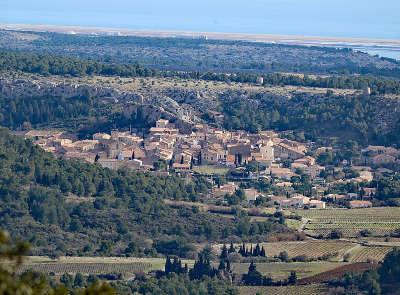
46	64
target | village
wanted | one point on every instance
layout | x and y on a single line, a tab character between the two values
229	159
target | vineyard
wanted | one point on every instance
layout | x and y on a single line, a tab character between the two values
95	265
337	273
333	249
369	253
280	271
379	221
311	249
88	268
287	290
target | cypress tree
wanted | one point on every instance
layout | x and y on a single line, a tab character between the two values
224	253
231	248
168	265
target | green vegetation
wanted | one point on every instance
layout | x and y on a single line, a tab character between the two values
388	187
59	65
317	116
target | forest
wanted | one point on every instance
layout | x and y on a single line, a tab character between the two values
318	117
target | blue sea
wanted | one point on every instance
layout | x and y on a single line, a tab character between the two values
325	18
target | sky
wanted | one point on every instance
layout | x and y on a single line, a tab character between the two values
336	18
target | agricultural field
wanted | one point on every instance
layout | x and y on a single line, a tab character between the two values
280	271
95	265
310	248
369	253
334	249
293	223
286	290
379	221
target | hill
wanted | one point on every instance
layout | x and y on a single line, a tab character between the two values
123	213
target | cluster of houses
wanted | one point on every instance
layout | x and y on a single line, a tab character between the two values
205	145
380	156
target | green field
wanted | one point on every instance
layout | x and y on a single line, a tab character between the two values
379	221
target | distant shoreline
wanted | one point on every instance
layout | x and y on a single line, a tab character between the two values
362	44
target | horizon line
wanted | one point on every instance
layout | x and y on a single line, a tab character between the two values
251	37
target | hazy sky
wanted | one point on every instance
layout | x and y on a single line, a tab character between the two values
352	18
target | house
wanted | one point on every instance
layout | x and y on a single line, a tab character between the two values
288	149
283	184
263	152
369	191
241	151
101	136
360	204
297	201
317	204
352	196
335	197
164	154
86	145
42	134
365	176
251	194
158	130
228	188
213	154
162	123
184	157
